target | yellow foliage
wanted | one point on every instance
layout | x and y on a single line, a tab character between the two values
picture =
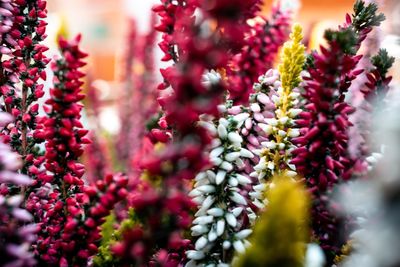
292	60
281	234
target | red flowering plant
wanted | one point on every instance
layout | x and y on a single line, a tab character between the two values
374	89
97	155
139	102
257	56
322	157
68	212
21	69
195	47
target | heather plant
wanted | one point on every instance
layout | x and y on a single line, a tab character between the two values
215	162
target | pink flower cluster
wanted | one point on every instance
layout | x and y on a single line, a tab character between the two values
64	135
139	99
17	233
258	55
21	72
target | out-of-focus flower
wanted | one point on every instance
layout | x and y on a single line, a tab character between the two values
17	232
322	156
280	235
258	54
374	202
314	256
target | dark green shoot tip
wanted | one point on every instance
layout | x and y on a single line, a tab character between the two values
346	39
366	16
382	62
310	61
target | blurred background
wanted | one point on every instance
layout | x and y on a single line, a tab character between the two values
106	25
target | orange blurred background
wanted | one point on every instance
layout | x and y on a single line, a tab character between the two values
104	25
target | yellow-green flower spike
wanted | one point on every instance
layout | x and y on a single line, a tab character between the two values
275	155
280	236
292	60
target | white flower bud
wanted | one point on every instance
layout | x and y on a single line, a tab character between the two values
284	120
271	165
220	227
260	166
211	176
239	247
221	108
201	182
215	143
195	193
226	166
226	245
272	122
201	243
232	156
199	230
231	219
222	131
237	211
224	122
260	187
195	255
200	212
198	200
267	129
294	133
206	189
258	204
243	234
216	152
255	107
281	133
294	112
216	161
235	137
243	179
275	99
246	153
239	163
294	95
233	182
371	159
212	236
200	176
206	204
216	212
210	127
236	197
269	144
220	177
256	195
292	166
203	220
241	117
